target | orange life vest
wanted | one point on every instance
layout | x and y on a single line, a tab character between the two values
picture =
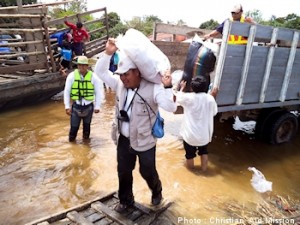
235	39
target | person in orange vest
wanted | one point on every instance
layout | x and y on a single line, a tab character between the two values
236	15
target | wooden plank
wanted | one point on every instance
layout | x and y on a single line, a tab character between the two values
48	4
78	219
94	21
61	215
143	208
94	51
40	47
41	10
36	22
50	53
96	216
9	56
97	42
24	67
19	16
44	223
23	43
151	218
19	31
5	63
98	30
30	48
61	20
100	207
64	221
92	11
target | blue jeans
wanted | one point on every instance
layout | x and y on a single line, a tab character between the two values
84	113
126	157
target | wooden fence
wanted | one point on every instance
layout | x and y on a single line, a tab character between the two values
25	43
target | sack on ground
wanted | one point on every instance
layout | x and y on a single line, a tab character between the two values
259	182
150	60
158	127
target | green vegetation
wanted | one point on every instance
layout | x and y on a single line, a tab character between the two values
145	23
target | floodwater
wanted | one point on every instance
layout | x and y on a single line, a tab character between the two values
41	173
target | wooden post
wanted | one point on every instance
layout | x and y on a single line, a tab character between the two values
106	22
20	5
47	36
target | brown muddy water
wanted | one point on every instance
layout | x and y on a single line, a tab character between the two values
41	173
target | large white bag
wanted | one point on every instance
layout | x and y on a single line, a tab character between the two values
150	60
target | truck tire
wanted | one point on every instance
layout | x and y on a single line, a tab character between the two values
263	121
283	128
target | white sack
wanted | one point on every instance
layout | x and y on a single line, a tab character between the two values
150	60
212	46
259	182
246	126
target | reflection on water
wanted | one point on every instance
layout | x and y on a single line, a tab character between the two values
42	173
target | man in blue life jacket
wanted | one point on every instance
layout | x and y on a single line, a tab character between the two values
82	88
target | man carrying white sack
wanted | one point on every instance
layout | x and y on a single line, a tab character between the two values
133	122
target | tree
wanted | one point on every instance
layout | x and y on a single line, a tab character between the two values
76	6
143	24
255	14
291	21
181	22
119	28
113	19
209	25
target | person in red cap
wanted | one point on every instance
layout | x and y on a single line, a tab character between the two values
80	35
236	15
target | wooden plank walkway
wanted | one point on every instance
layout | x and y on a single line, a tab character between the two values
101	211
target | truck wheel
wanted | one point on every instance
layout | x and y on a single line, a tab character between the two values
283	128
262	122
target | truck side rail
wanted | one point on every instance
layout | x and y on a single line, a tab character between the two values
257	75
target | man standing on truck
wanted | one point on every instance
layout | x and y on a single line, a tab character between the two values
80	35
236	15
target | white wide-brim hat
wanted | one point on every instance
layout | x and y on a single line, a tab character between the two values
82	60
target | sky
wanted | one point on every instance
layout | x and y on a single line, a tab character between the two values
193	12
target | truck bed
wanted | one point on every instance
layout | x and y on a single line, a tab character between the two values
265	73
259	74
